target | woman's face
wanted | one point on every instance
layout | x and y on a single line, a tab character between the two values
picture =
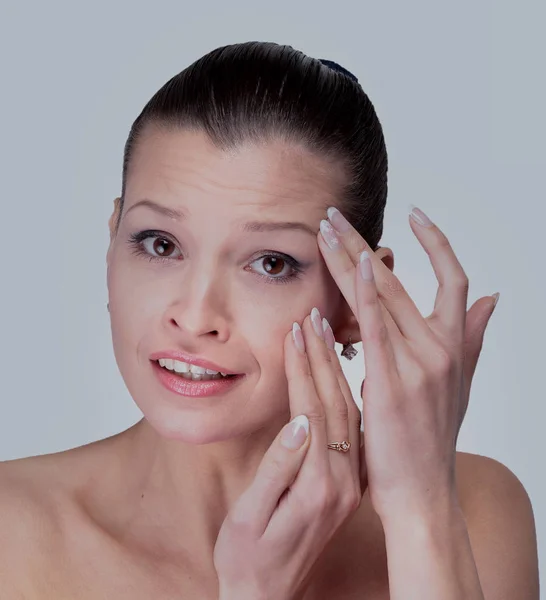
222	277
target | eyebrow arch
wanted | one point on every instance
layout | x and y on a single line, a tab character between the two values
251	226
158	208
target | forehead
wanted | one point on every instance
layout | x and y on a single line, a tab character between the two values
185	165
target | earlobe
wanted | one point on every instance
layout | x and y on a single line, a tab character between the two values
386	255
346	328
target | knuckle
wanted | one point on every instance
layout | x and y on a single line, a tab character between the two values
443	241
347	270
378	334
316	414
443	362
275	468
352	501
461	282
341	409
322	497
391	287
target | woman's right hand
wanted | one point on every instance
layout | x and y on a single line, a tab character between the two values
301	495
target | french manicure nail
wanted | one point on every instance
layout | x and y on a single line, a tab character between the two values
315	320
295	433
366	269
329	235
495	296
297	336
419	216
338	220
328	334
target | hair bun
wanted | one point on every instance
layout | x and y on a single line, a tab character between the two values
335	67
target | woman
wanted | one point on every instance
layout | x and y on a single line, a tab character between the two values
252	183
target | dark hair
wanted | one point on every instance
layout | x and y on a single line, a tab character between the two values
259	91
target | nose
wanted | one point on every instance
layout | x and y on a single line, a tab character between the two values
199	308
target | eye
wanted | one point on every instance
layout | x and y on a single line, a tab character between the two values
155	245
279	268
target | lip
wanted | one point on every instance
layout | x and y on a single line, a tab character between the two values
192	360
201	390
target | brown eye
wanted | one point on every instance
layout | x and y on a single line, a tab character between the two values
159	246
273	264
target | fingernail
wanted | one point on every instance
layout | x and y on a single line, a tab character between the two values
295	433
297	336
329	235
495	297
338	220
317	325
419	216
366	269
328	334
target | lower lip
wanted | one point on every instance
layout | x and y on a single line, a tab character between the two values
194	389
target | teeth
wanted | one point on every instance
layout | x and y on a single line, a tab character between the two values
190	371
180	367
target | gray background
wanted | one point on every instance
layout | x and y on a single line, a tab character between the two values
459	88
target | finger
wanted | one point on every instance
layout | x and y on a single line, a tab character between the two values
396	300
342	419
342	269
354	414
379	353
303	399
477	319
326	383
259	502
452	294
276	472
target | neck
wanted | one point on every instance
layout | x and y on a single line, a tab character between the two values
172	497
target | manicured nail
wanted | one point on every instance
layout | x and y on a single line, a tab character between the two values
329	235
297	336
366	269
295	433
328	334
495	297
338	220
315	320
419	216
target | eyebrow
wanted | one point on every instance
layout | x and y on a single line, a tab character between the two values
250	226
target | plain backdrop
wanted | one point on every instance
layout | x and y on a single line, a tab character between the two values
460	91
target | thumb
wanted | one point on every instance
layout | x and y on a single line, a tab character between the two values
276	472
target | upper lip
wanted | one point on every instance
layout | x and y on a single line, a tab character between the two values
192	360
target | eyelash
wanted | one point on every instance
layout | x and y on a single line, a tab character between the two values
136	242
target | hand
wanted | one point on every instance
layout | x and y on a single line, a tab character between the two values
279	526
418	371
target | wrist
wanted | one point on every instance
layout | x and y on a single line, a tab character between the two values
422	515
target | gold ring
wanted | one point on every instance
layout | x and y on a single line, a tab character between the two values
340	446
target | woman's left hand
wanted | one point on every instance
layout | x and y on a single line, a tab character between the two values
418	371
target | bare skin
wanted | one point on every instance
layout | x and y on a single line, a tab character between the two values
137	515
65	517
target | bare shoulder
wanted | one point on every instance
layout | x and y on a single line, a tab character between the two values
38	497
501	526
29	524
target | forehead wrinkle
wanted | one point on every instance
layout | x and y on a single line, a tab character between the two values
272	173
274	189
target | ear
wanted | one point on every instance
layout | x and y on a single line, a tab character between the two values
112	224
345	322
